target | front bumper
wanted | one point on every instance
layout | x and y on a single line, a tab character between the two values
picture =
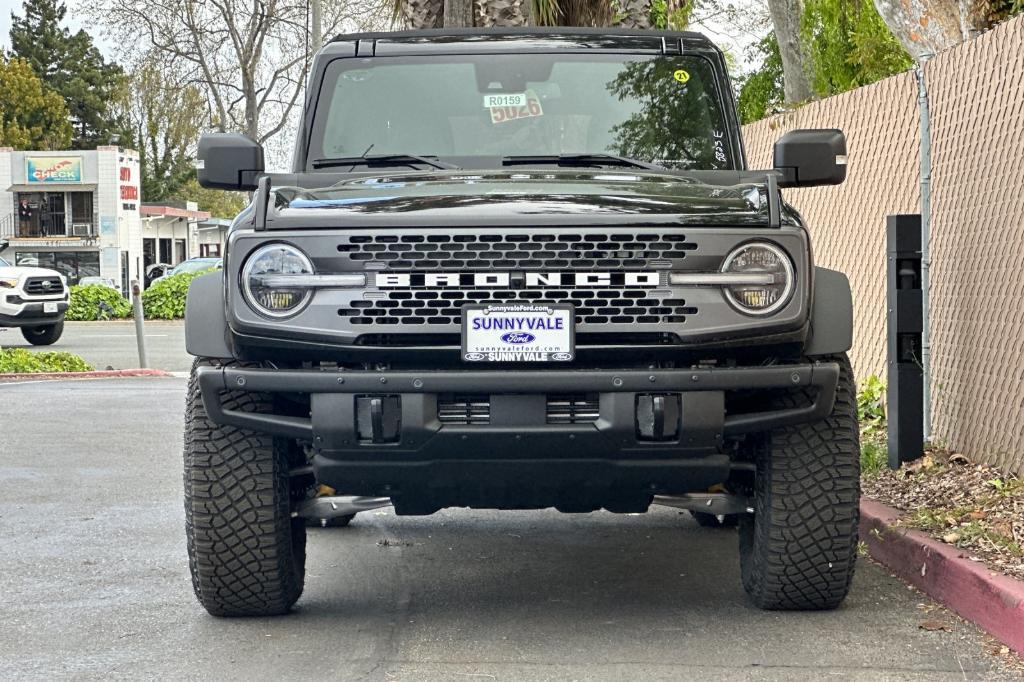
31	314
518	448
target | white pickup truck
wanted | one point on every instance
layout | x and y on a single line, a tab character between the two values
34	299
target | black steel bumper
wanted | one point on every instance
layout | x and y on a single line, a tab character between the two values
518	458
332	423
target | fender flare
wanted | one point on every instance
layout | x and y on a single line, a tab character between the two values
206	326
831	314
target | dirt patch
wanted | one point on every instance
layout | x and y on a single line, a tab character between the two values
971	506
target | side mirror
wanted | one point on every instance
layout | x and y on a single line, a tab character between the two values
809	158
229	161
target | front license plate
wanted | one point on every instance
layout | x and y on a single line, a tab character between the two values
517	333
49	307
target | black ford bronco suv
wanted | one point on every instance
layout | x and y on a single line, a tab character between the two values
520	269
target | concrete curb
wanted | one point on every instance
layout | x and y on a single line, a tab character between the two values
98	374
993	601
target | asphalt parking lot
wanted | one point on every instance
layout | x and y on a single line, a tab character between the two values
94	581
114	345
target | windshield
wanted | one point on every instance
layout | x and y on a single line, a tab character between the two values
4	264
662	110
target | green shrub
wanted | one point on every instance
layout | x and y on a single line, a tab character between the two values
871	403
90	302
21	361
165	299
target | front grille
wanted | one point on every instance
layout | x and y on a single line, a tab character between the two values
592	306
573	251
44	286
579	408
464	409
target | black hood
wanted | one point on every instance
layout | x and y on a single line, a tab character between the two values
527	196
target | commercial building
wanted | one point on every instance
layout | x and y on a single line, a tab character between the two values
80	213
76	212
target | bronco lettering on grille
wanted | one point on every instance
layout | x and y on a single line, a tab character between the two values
457	280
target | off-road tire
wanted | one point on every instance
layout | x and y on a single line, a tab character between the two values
706	520
799	548
43	335
246	554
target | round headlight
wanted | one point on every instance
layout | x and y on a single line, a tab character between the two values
769	278
264	294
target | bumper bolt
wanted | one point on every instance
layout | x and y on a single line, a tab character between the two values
694	377
795	378
417	383
240	381
341	380
651	378
616	381
383	380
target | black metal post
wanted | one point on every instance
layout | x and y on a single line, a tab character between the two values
904	392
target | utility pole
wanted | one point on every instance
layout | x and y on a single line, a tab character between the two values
317	37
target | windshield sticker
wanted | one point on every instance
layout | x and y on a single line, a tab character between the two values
529	109
719	146
505	100
681	76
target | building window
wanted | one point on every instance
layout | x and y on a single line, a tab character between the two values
82	222
165	251
72	264
51	214
179	250
209	250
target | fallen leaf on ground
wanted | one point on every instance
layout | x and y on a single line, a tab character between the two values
933	625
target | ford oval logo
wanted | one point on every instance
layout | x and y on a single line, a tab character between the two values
561	356
474	357
518	338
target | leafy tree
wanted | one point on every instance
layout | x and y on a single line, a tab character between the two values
72	66
31	115
761	92
166	114
219	203
850	45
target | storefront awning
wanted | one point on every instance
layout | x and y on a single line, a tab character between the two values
174	212
54	187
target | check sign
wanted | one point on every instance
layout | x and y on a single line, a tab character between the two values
518	333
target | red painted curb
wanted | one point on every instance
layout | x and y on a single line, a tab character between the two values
993	601
98	374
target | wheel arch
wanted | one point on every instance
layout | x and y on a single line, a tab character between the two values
831	314
206	326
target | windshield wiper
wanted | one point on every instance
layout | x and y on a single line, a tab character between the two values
578	160
384	160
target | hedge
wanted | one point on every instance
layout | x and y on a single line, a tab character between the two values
165	298
97	302
21	361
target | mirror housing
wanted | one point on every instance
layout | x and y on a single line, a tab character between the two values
229	161
810	158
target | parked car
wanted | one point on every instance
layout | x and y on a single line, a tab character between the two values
33	299
101	281
554	283
191	265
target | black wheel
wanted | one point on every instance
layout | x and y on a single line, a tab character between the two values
715	521
798	549
336	522
246	553
43	335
